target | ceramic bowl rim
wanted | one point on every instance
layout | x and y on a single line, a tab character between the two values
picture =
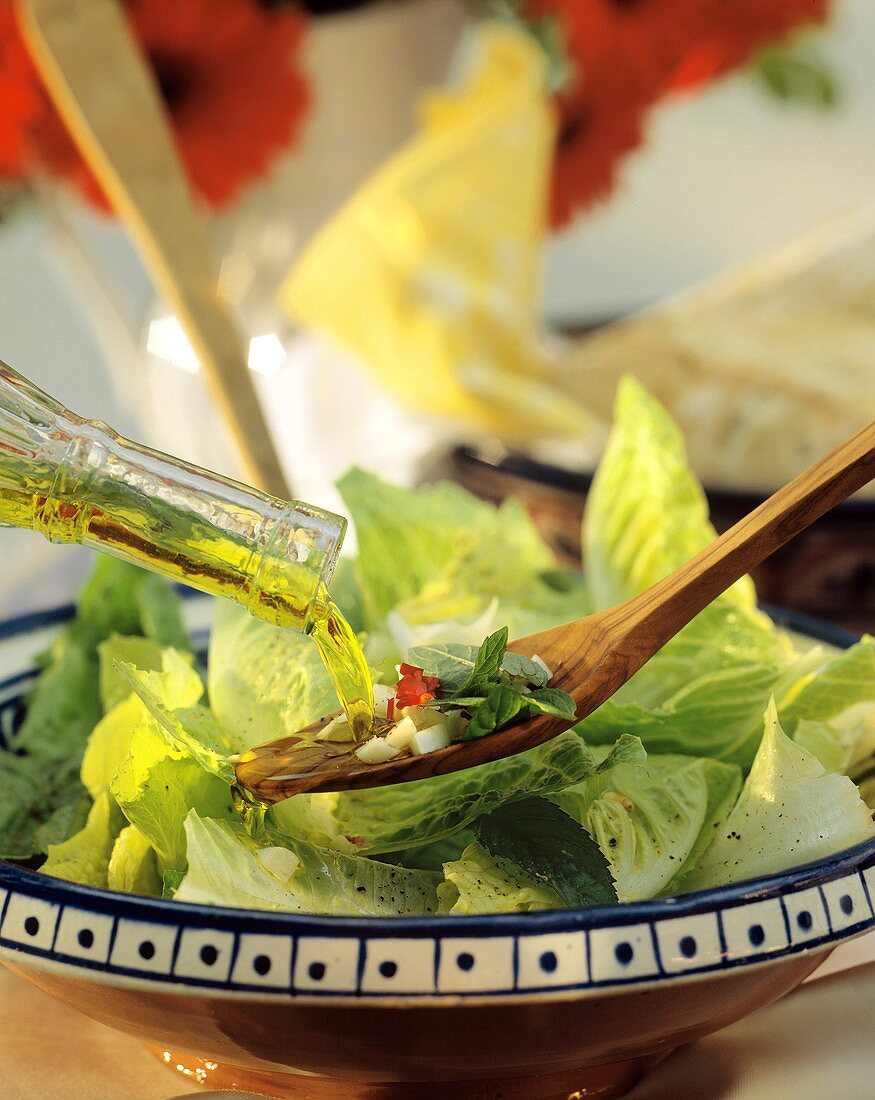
608	916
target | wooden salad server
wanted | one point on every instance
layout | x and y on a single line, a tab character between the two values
108	97
592	657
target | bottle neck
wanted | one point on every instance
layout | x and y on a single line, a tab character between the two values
77	481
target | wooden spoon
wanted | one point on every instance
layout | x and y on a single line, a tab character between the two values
590	658
109	99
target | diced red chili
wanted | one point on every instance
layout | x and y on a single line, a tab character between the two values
415	688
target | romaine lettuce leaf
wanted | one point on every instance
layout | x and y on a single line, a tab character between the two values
646	514
447	539
654	823
84	857
132	649
228	867
264	682
193	730
477	882
133	865
718	714
45	802
791	810
173	680
391	819
157	786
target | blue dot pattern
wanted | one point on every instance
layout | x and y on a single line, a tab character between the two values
688	947
465	960
316	970
624	953
756	935
548	962
388	969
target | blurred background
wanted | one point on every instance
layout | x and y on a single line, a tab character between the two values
446	229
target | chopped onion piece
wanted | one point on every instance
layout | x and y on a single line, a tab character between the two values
428	740
278	861
401	736
376	751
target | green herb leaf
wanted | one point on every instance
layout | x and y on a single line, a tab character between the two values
523	668
552	848
498	709
487	666
551	701
452	663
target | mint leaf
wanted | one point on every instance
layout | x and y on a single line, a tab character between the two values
523	668
551	701
552	848
487	666
500	707
452	663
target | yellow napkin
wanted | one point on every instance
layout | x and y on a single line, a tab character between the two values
430	273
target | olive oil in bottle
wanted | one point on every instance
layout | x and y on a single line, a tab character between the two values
76	480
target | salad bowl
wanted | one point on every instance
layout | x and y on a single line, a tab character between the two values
544	1005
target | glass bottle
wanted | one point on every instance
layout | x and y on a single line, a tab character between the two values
76	480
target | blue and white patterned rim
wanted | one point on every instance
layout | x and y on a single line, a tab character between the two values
120	938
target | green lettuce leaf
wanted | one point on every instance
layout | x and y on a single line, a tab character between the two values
718	714
829	706
135	650
157	786
227	867
174	681
479	883
133	865
791	810
44	801
193	730
446	539
654	823
264	682
646	514
452	575
391	819
85	856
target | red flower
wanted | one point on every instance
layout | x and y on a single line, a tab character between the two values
227	72
625	55
733	30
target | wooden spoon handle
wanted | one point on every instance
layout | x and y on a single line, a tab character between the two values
648	621
107	95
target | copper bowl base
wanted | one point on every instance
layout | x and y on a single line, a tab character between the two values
603	1081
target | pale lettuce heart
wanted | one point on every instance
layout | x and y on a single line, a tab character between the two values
174	681
790	811
157	786
646	514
